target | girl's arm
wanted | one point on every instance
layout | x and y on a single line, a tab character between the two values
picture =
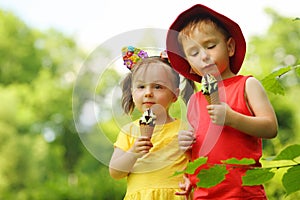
262	124
122	162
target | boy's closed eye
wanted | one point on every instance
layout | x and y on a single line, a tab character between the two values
211	46
194	53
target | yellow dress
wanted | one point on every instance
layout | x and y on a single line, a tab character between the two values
151	174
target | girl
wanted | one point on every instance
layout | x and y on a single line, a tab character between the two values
203	41
149	163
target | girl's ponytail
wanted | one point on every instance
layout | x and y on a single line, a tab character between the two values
127	100
188	89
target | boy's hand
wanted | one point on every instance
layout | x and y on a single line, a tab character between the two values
218	113
186	139
186	187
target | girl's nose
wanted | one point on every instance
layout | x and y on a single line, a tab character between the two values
148	92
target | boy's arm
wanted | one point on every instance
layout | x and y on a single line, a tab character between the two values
264	123
186	188
185	141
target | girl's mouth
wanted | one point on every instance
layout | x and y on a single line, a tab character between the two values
148	103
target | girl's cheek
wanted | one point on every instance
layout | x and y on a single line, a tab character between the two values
137	96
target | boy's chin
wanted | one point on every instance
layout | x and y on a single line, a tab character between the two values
196	72
214	72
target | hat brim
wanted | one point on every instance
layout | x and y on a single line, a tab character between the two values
175	54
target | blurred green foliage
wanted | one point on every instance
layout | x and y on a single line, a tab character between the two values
42	156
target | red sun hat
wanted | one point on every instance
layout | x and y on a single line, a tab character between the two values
174	50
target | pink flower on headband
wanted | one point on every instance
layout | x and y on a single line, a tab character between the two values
132	55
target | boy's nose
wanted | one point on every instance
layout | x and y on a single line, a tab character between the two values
204	55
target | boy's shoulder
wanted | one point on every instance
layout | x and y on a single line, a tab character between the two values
236	79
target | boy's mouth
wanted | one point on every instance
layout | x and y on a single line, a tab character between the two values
209	66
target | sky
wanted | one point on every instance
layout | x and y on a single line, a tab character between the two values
91	22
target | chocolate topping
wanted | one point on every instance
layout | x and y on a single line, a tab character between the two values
209	84
148	118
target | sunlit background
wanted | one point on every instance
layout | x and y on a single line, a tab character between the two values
92	22
59	94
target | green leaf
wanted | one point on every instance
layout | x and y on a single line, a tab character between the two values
243	161
290	179
212	176
192	166
272	83
176	173
257	176
289	153
297	69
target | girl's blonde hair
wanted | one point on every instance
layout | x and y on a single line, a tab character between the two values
126	84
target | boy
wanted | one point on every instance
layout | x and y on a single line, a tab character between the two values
202	41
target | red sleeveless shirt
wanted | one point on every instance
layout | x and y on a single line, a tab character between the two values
223	142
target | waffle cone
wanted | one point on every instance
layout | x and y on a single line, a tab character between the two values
213	98
146	130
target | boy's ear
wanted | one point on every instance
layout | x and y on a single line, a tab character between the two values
231	46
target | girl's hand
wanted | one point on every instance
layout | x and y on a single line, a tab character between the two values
141	146
219	113
186	139
186	188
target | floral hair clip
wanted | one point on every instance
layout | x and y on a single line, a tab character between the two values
132	55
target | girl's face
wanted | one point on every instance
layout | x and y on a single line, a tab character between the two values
208	51
154	84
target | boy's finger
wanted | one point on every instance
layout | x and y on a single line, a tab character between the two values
181	193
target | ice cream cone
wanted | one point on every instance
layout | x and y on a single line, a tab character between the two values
147	123
210	89
207	97
214	98
146	130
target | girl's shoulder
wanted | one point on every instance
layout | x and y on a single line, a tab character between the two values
176	124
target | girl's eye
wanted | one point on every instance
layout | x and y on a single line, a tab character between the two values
140	86
157	86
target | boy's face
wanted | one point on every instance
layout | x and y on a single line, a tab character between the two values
208	51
